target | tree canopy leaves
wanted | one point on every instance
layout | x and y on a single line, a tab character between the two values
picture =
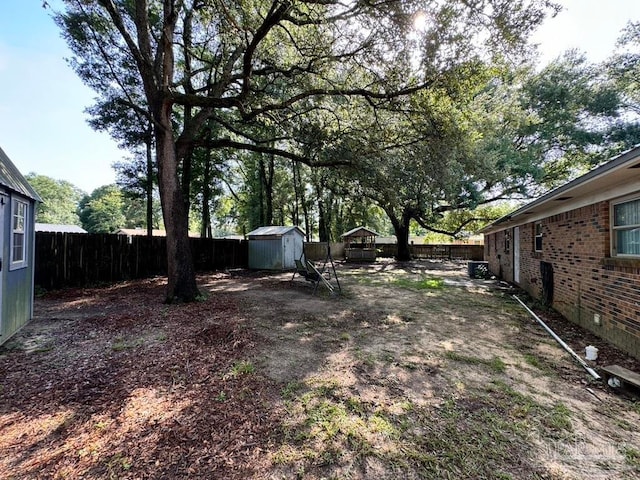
59	200
317	84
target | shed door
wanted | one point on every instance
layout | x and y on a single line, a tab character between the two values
287	252
516	255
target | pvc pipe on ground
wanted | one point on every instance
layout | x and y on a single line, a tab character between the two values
591	371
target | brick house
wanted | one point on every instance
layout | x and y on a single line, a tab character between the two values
577	249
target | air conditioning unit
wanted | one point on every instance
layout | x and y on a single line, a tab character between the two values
478	269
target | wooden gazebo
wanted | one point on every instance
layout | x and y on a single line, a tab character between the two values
360	244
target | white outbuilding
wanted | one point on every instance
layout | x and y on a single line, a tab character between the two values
275	247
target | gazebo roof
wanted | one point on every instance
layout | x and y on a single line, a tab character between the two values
360	232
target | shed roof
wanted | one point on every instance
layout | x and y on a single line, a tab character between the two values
59	228
360	232
130	232
618	177
11	178
274	231
141	232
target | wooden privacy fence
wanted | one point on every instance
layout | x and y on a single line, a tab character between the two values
317	251
442	252
80	259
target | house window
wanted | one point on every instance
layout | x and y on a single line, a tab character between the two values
626	228
538	237
507	241
18	234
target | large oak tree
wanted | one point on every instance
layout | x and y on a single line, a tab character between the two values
250	63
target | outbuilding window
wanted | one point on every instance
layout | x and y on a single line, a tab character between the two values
625	228
538	237
18	234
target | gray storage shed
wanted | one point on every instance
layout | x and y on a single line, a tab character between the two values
275	247
17	240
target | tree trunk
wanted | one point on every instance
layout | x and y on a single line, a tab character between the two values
268	187
308	220
322	226
261	189
149	187
181	273
295	212
205	230
156	72
187	165
401	229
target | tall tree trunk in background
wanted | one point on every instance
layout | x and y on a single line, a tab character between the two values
187	165
322	227
149	185
205	230
261	187
300	201
305	213
267	172
307	221
269	190
319	200
401	229
295	215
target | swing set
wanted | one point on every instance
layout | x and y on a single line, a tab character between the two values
323	275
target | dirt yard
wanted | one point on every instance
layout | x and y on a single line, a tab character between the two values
415	372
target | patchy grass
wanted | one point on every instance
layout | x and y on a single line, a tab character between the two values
118	464
242	367
121	344
552	422
364	358
325	428
538	363
329	428
631	456
495	364
534	361
412	282
558	418
429	283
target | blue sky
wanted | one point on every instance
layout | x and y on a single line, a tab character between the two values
43	126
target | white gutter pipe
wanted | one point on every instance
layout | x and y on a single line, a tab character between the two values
591	371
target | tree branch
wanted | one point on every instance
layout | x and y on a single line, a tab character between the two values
228	143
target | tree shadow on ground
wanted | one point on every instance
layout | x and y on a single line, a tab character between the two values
262	379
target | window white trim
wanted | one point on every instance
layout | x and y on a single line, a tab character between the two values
18	253
632	225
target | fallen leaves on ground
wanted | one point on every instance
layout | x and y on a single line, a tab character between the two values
119	385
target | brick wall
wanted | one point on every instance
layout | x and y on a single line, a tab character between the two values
587	282
500	259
